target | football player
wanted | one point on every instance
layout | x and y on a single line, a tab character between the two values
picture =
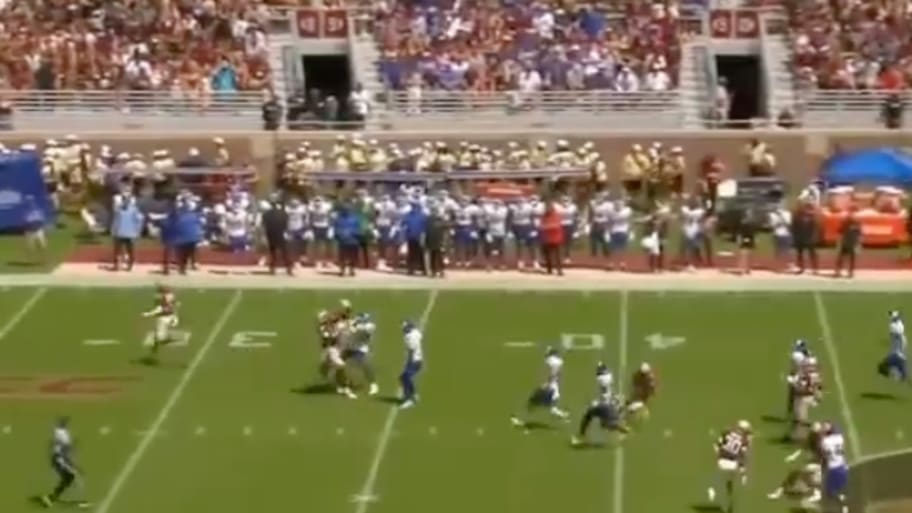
546	395
643	387
166	319
800	353
607	408
836	476
895	362
357	351
803	484
332	368
808	390
62	463
414	360
732	449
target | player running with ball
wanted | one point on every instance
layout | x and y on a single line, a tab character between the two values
166	320
732	449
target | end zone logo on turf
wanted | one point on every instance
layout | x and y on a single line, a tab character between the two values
63	387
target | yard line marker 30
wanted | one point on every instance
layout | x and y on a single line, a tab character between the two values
22	312
367	493
827	333
136	456
623	335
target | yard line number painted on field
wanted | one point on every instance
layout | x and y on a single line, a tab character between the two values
240	340
595	342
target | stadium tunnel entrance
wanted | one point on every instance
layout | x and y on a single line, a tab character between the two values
742	72
331	76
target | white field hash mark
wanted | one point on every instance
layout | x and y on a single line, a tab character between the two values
22	312
367	495
623	335
127	470
827	333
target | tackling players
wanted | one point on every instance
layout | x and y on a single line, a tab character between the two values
546	395
357	349
607	408
332	365
166	320
732	449
807	387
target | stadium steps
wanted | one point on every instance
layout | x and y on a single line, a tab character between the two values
283	78
693	83
778	56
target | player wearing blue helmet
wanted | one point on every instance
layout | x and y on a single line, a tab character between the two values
547	394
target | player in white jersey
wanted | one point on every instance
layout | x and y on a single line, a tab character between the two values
522	218
320	211
692	214
797	361
236	227
62	463
465	232
836	468
601	209
894	364
386	218
608	408
414	360
358	348
298	223
620	227
568	212
166	320
548	393
780	220
495	222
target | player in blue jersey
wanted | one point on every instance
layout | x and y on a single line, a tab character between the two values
607	408
836	468
62	463
357	352
548	393
414	360
895	362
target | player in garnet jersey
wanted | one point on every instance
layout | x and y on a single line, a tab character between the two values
166	319
732	449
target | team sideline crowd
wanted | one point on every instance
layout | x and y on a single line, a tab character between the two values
818	470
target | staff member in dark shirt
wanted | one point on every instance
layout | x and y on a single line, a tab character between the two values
804	237
849	244
747	233
275	226
435	243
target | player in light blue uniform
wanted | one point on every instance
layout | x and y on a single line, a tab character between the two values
608	408
414	359
836	476
358	350
895	362
62	462
546	395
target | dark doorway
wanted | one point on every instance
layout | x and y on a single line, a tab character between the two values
330	75
742	74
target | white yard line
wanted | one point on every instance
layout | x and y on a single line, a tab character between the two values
623	335
22	312
127	470
827	333
367	493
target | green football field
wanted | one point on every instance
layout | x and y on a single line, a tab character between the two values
227	422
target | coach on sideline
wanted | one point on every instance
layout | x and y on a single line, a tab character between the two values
275	227
552	237
414	226
126	227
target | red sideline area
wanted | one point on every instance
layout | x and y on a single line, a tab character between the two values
634	262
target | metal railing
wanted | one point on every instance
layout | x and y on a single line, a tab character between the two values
858	100
164	103
511	102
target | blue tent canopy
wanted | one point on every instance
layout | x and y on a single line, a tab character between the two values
882	166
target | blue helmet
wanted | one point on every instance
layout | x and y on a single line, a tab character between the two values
551	351
363	317
801	346
407	326
601	368
894	315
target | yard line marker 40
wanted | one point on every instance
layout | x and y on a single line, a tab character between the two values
22	312
827	333
136	456
367	495
623	335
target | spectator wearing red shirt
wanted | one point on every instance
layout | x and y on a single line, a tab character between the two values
552	237
891	79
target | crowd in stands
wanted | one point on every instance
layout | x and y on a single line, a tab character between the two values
192	48
852	44
529	45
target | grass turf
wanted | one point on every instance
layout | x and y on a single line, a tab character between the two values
245	433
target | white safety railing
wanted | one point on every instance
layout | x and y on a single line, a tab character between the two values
555	102
165	103
855	100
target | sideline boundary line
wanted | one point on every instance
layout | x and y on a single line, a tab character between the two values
367	493
827	333
176	394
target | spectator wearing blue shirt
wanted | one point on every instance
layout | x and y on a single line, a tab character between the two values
126	227
347	229
186	226
414	226
224	80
